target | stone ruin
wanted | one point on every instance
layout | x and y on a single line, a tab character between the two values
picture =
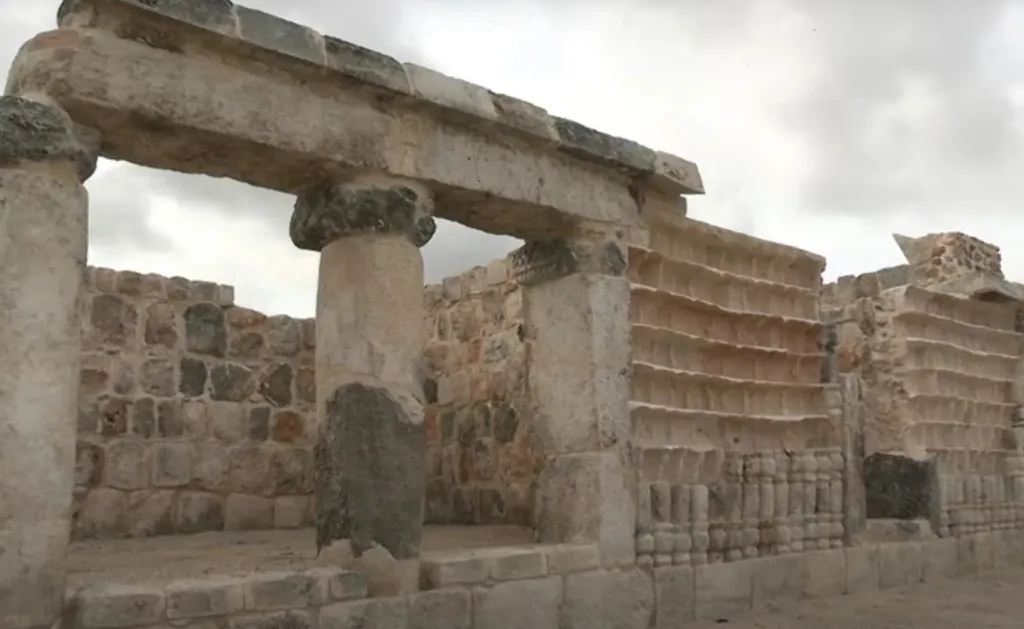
634	420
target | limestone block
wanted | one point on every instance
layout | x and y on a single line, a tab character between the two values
292	512
385	575
294	619
102	514
108	606
824	573
199	511
201	598
608	598
938	559
862	568
150	512
526	604
390	613
172	464
449	608
777	581
673	596
277	34
518	564
439	573
366	65
524	116
280	590
127	464
899	564
39	132
246	513
569	558
723	590
451	93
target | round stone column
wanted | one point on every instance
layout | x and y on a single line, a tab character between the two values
43	241
370	456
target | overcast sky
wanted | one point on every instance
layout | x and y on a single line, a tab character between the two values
825	124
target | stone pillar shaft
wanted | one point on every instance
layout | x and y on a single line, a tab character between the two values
370	457
43	242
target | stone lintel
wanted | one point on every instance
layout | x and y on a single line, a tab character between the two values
330	211
537	262
31	131
499	164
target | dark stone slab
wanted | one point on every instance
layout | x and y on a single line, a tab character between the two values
204	329
542	261
328	212
366	65
593	145
34	132
274	33
524	116
899	487
370	473
192	381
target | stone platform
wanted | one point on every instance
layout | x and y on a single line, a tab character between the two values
481	578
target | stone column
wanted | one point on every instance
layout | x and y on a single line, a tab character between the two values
576	300
370	457
43	242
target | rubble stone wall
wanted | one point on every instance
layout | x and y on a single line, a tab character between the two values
738	440
195	414
483	458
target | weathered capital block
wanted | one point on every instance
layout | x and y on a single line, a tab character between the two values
31	131
542	261
335	210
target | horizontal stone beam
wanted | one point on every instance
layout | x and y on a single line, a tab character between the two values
219	89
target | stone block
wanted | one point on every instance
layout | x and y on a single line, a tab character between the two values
593	145
450	93
150	513
199	511
938	559
210	467
777	581
292	512
526	117
366	65
126	464
196	598
110	606
387	576
101	514
390	613
673	596
676	175
248	513
205	332
608	599
172	464
899	564
723	590
824	573
249	469
279	35
294	619
231	382
898	487
526	604
973	554
344	585
280	590
450	609
192	379
569	558
449	571
519	564
862	568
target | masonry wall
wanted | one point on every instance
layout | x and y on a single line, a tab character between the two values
483	459
194	414
738	441
939	376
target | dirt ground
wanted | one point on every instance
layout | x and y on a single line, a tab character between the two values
994	600
160	559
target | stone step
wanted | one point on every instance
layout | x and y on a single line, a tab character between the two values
686	314
978	338
690	352
944	355
954	383
730	290
701	430
683	238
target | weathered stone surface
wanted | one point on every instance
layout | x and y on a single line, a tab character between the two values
529	604
273	591
274	33
378	614
203	598
33	132
192	382
450	93
591	144
602	599
448	608
673	596
366	65
230	382
204	329
157	377
378	451
537	262
198	512
898	486
248	513
106	606
328	212
723	590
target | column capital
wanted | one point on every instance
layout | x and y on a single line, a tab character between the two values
331	211
33	131
542	261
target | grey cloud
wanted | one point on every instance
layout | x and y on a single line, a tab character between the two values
970	158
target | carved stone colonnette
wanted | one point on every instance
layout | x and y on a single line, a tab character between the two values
371	147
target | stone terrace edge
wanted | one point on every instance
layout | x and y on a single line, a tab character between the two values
662	171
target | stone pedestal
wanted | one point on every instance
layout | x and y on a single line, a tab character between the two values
43	241
370	457
577	315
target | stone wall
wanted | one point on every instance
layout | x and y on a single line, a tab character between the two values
482	456
939	373
738	449
194	414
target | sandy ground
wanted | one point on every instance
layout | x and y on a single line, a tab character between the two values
237	553
994	600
